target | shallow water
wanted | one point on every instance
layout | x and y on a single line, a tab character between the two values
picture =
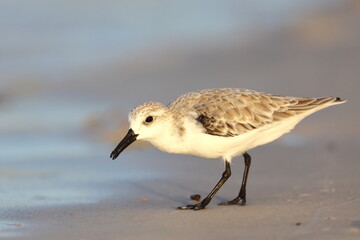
47	157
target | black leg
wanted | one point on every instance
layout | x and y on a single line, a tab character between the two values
242	194
226	174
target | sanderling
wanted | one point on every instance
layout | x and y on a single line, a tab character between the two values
219	123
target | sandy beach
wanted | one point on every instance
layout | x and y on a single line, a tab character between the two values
305	185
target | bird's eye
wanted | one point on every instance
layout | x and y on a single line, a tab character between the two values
149	119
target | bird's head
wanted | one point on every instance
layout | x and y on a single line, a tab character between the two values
147	121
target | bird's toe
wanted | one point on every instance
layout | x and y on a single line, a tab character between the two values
194	207
238	200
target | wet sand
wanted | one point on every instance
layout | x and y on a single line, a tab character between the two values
305	185
294	192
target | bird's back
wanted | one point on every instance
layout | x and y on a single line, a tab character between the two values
231	111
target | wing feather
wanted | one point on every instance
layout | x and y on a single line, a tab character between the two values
231	112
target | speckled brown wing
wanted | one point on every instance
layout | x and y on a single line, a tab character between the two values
230	115
233	115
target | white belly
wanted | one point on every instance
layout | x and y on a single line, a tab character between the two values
210	146
196	142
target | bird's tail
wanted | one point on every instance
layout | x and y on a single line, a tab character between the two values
328	101
310	105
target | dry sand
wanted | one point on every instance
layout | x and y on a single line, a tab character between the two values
305	186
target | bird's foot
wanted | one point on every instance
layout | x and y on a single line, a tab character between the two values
197	206
193	207
238	200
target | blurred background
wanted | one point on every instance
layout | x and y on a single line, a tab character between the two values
70	71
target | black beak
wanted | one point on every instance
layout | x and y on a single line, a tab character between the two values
127	140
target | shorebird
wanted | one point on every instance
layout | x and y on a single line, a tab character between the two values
219	123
